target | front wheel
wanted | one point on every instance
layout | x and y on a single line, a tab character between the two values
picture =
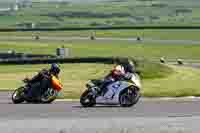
49	96
129	96
17	96
48	101
87	99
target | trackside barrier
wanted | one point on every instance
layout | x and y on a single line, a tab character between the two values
99	28
105	60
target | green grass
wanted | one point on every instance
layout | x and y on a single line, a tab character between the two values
184	82
131	10
87	48
73	76
157	80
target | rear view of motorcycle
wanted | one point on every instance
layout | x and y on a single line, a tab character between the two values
20	95
123	93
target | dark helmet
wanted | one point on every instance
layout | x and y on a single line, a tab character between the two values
55	68
129	65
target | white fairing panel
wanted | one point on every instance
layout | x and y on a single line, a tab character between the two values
114	89
112	95
136	80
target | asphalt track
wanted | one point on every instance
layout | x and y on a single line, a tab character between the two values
156	115
133	39
145	108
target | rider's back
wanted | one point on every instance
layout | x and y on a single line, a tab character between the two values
44	73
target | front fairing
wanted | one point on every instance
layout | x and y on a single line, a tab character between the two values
135	80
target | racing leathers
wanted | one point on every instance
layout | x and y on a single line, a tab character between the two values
39	83
117	74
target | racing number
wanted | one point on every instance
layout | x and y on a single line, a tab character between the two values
116	86
114	89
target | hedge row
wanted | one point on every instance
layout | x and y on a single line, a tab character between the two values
105	60
22	55
99	28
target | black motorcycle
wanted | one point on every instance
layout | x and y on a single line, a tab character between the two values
22	93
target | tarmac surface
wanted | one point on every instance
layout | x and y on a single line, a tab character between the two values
133	39
69	109
149	115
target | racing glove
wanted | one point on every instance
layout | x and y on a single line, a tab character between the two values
128	76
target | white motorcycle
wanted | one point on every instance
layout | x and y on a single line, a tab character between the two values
123	93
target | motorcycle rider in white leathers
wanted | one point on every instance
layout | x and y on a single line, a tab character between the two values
122	71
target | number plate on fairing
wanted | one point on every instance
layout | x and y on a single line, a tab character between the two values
112	89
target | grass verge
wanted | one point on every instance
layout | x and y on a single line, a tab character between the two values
183	82
86	48
158	80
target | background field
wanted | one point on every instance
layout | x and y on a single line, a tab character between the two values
87	48
157	80
107	13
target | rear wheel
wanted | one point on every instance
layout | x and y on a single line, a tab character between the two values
129	96
18	95
87	99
